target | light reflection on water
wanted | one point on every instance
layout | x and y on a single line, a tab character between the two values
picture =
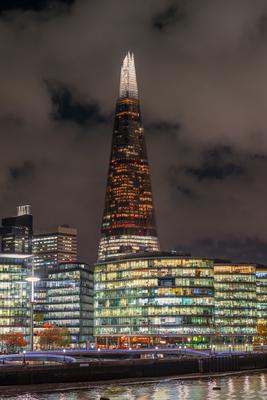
247	387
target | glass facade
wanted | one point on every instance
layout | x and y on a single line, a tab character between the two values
70	300
261	287
52	248
16	232
128	224
153	298
14	295
235	303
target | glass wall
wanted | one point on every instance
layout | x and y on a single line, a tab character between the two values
14	295
235	303
70	300
158	298
261	287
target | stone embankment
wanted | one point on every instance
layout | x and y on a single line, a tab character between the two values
104	370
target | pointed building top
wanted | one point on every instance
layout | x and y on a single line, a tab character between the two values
128	84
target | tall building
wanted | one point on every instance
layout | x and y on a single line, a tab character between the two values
50	248
53	247
70	289
16	232
128	224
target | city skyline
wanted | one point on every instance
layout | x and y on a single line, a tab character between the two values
203	101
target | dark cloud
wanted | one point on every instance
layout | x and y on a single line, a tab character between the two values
250	249
35	5
23	171
211	170
173	14
163	128
185	191
67	108
217	165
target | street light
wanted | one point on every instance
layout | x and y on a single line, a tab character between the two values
24	356
64	351
32	279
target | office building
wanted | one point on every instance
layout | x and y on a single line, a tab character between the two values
70	301
16	232
235	304
14	294
53	247
128	224
261	288
153	300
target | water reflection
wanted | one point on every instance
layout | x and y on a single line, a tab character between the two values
247	387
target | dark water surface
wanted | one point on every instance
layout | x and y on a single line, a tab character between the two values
247	387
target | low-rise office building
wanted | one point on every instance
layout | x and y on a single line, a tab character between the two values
235	304
154	299
261	288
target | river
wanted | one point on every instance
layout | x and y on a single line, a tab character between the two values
236	387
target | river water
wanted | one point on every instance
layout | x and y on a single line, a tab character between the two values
247	387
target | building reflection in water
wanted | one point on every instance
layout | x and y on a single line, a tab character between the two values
242	387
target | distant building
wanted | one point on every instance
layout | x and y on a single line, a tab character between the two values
53	247
261	287
50	248
16	232
154	299
128	224
14	294
235	304
70	300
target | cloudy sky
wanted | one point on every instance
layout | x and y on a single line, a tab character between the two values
202	75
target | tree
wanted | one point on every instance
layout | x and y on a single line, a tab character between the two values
53	336
13	341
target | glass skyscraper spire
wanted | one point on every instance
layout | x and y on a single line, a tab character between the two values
128	224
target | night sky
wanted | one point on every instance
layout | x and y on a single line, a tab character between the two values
202	75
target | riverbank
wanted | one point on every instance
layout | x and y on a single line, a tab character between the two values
131	369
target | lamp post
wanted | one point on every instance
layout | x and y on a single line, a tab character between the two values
32	279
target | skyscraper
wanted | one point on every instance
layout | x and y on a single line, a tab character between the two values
128	224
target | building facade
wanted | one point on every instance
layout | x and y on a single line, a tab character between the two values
16	232
261	288
14	294
128	224
53	247
70	301
154	300
235	304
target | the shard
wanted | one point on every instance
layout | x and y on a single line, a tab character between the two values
128	224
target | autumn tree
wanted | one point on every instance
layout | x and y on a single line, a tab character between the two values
261	333
53	336
13	341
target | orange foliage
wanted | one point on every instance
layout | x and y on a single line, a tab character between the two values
12	340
